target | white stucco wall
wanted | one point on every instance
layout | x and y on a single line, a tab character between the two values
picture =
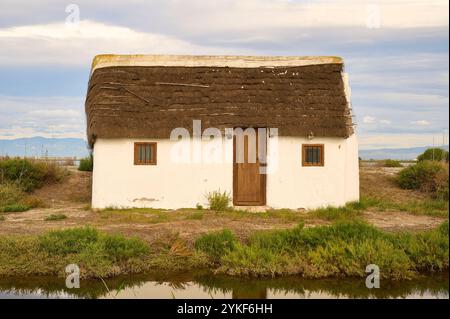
119	183
294	186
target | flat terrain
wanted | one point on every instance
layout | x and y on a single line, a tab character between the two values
397	210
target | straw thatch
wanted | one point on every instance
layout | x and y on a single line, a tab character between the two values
150	101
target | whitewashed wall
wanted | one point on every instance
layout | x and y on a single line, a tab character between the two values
295	186
119	183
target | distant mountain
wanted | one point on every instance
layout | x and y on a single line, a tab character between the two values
395	153
41	146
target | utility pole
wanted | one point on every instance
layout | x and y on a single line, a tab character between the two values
433	149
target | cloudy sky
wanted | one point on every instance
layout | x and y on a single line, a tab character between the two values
396	54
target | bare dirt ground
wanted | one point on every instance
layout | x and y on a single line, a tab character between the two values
397	221
72	196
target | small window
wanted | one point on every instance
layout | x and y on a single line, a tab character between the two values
312	155
144	153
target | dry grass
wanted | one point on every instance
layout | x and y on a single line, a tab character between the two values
137	215
378	185
376	182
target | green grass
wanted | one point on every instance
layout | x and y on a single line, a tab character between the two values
14	208
136	215
429	207
153	216
343	249
354	210
99	255
216	244
55	217
287	215
336	213
351	211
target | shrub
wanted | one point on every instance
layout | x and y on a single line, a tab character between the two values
343	249
253	261
440	184
119	247
434	154
392	163
294	239
68	241
21	171
427	176
216	244
54	217
86	164
28	174
350	258
427	250
15	208
98	255
218	201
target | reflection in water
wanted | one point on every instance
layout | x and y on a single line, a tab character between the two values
206	285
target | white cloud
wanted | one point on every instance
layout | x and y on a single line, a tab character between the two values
386	122
57	44
421	123
42	116
269	14
369	119
199	16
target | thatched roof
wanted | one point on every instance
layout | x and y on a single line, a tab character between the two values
148	96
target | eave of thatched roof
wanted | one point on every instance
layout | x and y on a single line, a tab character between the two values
147	96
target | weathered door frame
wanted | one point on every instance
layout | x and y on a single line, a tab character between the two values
262	180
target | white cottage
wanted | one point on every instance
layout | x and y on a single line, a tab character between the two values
166	130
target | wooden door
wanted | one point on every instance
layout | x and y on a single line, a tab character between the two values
249	185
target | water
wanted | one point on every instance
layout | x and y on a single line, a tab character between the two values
205	285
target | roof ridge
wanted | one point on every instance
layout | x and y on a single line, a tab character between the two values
240	61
